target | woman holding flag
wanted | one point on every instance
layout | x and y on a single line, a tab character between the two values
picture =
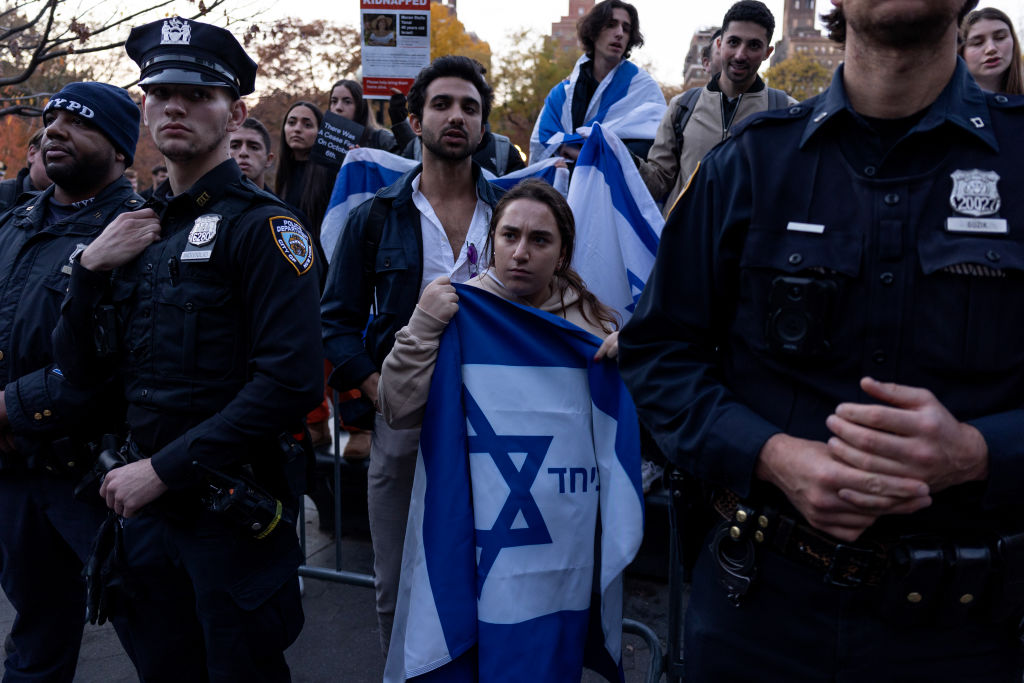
526	504
530	246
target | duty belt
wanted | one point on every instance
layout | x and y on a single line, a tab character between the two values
842	564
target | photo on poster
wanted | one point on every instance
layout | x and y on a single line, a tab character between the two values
379	30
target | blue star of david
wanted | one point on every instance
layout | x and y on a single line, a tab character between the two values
636	287
502	535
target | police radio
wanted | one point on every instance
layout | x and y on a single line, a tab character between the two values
251	509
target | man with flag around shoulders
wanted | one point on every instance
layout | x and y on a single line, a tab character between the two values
604	87
208	292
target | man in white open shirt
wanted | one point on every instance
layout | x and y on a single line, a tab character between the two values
383	263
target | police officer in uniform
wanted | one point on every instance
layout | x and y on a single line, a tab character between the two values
45	423
832	340
211	290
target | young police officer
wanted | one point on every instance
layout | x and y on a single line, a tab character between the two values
833	338
45	423
214	302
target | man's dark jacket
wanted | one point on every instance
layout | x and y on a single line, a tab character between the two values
389	292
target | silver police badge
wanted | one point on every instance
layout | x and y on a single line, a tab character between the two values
204	230
175	32
975	193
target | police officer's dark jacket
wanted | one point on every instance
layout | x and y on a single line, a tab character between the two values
219	349
35	268
908	267
390	291
12	191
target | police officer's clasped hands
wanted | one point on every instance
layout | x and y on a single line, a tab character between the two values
914	436
882	460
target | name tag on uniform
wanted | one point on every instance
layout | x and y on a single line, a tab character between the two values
202	238
806	227
979	226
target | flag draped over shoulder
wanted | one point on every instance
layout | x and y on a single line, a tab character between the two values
367	170
627	101
528	447
618	225
364	172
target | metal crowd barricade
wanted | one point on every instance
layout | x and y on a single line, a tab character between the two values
657	662
337	574
676	591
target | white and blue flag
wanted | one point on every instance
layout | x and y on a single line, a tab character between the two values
526	506
367	170
628	101
618	224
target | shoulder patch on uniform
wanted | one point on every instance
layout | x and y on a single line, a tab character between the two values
293	241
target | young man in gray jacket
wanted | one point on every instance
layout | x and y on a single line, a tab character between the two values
707	115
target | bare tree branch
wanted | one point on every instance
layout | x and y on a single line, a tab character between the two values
21	28
44	36
21	110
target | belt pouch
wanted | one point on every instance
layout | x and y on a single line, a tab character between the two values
969	571
911	592
1008	587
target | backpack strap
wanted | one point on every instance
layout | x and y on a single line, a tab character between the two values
777	99
683	113
371	242
501	148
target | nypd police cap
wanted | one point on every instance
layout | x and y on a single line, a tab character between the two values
183	51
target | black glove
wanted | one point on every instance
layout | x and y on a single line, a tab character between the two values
104	571
398	109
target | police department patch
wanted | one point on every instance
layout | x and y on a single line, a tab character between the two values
294	242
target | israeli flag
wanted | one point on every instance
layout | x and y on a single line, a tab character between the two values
618	224
528	448
627	101
365	171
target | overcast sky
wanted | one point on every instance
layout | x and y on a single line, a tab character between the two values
667	24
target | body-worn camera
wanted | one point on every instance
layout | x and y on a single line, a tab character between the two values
799	316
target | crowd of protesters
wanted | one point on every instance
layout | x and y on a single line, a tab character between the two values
751	356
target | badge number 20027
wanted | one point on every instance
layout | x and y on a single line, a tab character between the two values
975	196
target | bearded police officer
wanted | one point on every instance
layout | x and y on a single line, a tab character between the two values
45	423
205	303
832	340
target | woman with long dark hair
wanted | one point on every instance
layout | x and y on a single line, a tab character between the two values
300	182
990	47
347	101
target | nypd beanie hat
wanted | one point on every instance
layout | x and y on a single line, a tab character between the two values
105	106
